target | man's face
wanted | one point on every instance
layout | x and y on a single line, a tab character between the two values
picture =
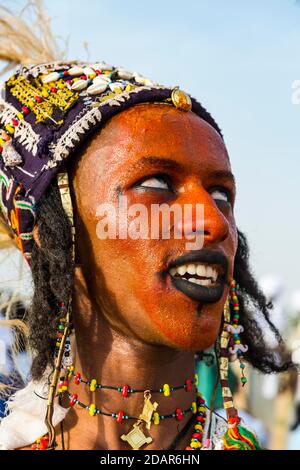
157	289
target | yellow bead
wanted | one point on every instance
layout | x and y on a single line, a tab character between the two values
31	104
38	441
20	116
237	341
93	385
198	427
60	85
194	407
166	389
118	90
129	87
2	142
45	93
196	379
156	418
9	128
57	345
92	409
195	445
202	408
71	371
91	76
235	326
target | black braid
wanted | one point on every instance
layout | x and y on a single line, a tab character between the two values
53	274
253	303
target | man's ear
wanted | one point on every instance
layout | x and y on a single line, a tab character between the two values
35	234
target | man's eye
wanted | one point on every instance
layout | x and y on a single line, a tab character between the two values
155	183
220	195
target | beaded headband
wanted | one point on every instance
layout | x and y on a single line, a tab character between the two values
46	112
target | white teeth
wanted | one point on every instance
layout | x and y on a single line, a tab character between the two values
191	269
209	271
192	279
205	282
201	270
181	270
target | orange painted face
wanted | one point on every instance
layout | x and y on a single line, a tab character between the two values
157	290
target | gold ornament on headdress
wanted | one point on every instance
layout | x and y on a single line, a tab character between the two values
181	100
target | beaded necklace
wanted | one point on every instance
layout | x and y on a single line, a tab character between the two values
197	409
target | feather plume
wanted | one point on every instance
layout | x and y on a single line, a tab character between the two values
27	41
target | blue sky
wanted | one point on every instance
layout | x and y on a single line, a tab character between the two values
239	58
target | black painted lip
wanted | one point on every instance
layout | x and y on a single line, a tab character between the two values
199	293
194	291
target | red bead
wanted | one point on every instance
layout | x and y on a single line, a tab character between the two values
70	82
125	391
33	447
14	122
1	148
178	414
197	435
202	401
53	89
200	419
73	399
43	443
83	77
25	110
120	416
66	73
98	72
38	99
77	378
187	385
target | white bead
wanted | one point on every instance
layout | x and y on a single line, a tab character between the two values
97	88
79	85
115	85
102	66
125	74
75	71
102	79
89	71
51	77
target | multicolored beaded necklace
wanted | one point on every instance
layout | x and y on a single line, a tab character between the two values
197	409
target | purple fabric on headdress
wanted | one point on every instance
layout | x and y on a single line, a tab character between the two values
42	122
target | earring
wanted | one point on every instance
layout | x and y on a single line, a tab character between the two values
237	437
236	348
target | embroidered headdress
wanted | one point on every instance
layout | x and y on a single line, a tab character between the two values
47	111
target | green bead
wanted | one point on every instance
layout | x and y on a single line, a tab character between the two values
243	380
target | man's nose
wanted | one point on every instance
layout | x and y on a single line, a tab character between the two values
208	219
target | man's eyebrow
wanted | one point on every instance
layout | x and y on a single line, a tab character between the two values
223	174
166	163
